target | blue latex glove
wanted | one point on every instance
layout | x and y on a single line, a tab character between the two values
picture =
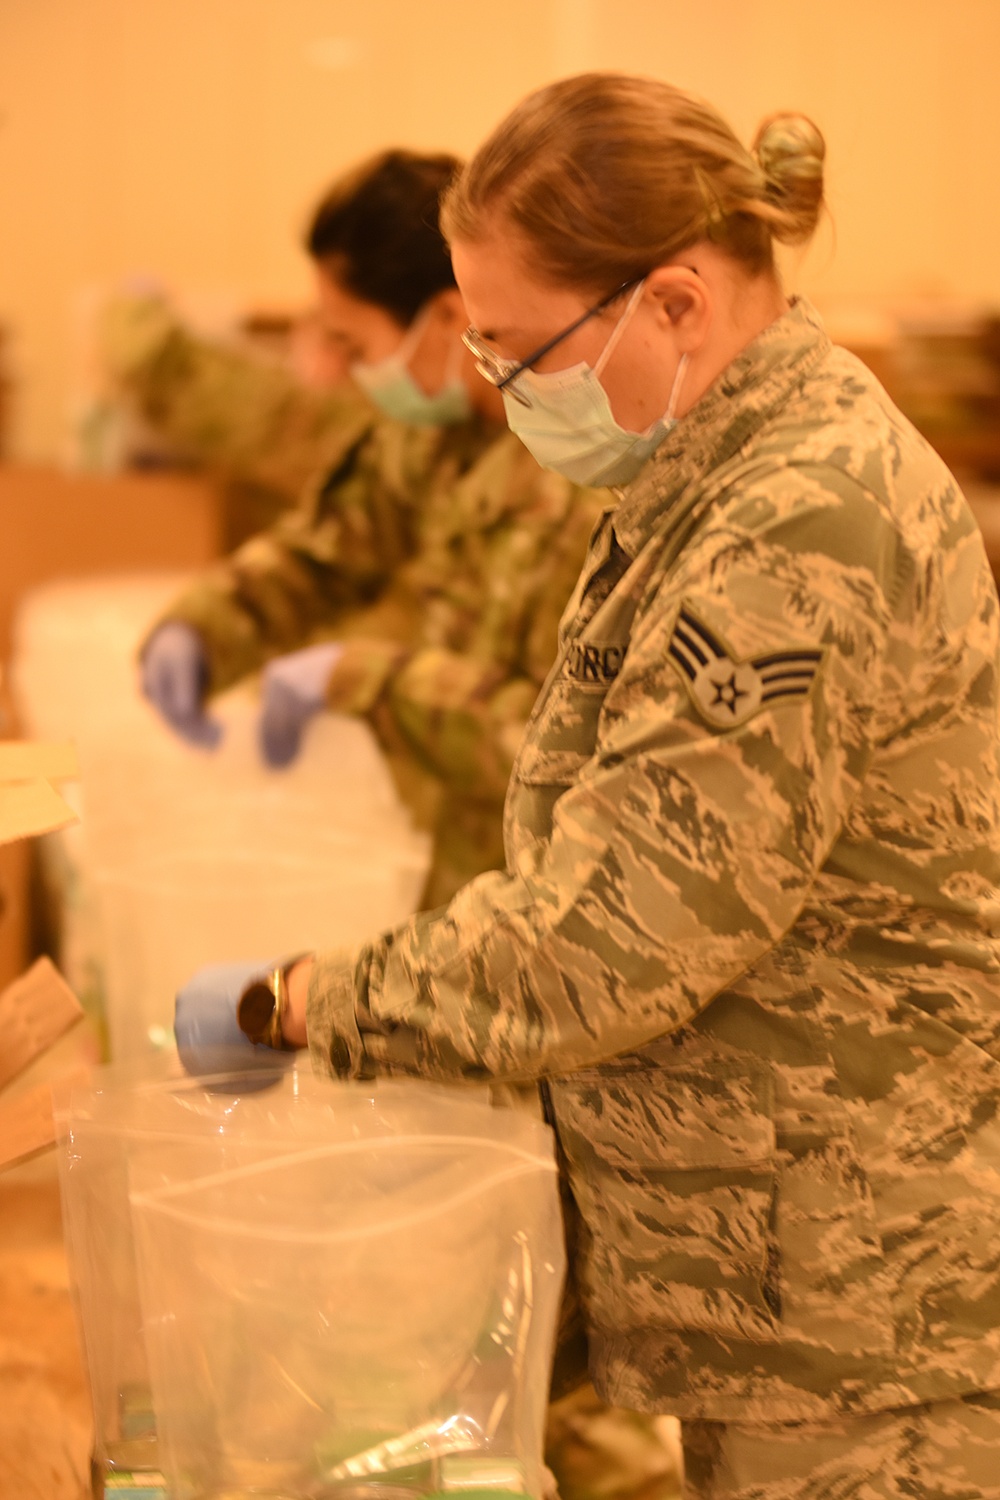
174	676
293	689
208	1038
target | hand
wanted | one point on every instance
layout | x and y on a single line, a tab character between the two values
294	688
174	677
209	1039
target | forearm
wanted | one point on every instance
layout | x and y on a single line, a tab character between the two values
229	632
274	592
460	717
231	410
547	971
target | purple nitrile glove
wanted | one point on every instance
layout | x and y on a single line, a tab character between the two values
174	676
293	690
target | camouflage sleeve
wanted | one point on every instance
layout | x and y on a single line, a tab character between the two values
461	713
678	852
239	414
330	555
460	717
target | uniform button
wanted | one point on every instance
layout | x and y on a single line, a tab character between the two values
340	1055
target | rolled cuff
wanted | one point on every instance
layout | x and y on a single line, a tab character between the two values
232	647
335	1043
362	674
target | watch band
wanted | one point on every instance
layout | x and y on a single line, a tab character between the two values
262	1005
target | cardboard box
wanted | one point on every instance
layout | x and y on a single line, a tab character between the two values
60	525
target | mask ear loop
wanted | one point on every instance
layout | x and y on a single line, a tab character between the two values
403	355
412	337
619	328
399	359
616	334
675	390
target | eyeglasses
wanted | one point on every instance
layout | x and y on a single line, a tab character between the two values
502	372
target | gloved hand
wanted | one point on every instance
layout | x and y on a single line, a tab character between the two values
174	675
209	1039
293	689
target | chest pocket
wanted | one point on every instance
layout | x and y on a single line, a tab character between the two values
673	1171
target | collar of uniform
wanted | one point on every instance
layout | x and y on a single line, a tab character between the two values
733	409
602	539
447	461
497	479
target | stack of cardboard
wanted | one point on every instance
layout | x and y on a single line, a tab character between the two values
45	1420
38	1007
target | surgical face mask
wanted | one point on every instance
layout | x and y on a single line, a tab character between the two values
568	424
394	391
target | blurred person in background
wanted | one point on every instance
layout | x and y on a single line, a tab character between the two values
418	583
747	939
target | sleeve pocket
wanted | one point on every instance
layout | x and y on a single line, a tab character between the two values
563	736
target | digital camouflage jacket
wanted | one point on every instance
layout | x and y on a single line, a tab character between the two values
748	937
442	558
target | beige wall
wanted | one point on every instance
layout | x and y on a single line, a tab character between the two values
186	138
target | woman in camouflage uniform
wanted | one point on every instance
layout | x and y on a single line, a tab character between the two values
430	559
748	935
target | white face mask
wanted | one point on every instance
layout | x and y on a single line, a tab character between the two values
394	391
569	425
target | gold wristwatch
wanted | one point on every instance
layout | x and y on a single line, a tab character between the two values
262	1005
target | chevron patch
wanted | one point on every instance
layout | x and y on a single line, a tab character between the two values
727	692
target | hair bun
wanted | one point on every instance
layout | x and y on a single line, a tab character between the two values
790	151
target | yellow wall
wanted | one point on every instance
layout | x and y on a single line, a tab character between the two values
187	138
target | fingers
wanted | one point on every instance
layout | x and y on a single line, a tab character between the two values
173	679
201	731
282	723
294	688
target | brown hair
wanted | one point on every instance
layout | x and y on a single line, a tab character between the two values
609	175
377	231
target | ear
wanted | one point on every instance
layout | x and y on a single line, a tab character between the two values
682	300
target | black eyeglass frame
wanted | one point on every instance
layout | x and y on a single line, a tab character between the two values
501	372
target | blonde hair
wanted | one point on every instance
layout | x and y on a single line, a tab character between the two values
609	175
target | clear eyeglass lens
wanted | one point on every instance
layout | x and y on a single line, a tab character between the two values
492	367
489	371
489	364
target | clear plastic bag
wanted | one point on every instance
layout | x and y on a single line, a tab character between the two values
342	1288
134	1117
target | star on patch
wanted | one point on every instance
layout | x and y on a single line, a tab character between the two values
727	692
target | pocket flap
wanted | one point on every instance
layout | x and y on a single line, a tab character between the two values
675	1119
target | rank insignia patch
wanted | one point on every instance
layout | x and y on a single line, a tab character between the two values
727	692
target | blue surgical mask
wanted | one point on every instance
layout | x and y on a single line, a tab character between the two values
568	424
389	384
